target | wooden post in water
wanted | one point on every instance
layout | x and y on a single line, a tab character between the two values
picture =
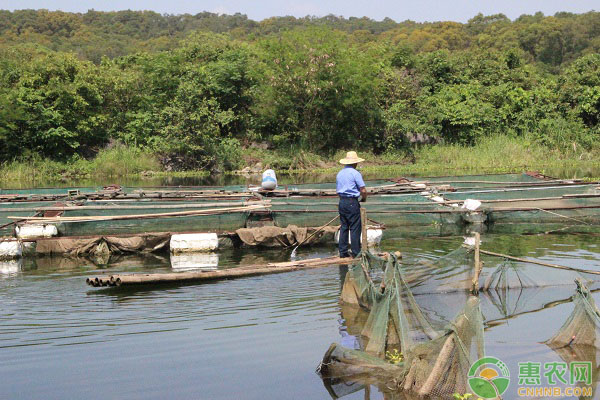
477	269
363	220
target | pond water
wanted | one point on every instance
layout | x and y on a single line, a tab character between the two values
252	338
283	178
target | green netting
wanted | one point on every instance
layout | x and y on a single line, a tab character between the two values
208	223
392	210
412	214
578	339
439	367
454	271
542	227
567	215
489	180
507	288
436	360
582	328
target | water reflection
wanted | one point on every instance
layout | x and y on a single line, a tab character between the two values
10	267
254	179
195	262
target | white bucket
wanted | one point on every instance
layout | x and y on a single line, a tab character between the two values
269	180
194	242
32	231
10	249
195	261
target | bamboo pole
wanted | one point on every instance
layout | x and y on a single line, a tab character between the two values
144	216
363	223
478	266
280	203
126	207
245	271
436	371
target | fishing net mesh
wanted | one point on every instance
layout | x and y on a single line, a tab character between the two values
582	328
437	356
436	360
454	273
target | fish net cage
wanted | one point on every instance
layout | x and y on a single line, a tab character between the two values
582	327
454	273
410	314
506	287
434	360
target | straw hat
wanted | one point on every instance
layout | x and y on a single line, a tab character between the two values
351	158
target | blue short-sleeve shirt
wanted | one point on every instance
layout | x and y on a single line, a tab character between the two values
348	182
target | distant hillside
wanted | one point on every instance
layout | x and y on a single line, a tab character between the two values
196	89
552	40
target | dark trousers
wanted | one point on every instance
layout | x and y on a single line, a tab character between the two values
349	209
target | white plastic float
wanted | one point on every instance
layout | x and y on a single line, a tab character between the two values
194	242
32	231
10	249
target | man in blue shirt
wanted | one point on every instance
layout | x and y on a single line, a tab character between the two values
350	186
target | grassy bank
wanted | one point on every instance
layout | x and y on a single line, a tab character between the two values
492	155
499	154
117	162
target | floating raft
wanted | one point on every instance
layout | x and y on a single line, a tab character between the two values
231	273
386	186
432	206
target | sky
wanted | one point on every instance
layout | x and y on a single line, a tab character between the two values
398	10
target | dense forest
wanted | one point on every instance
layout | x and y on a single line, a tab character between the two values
198	88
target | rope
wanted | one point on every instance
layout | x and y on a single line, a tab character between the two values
585	271
563	216
313	234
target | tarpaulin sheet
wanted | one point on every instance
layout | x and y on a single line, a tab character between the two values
273	236
113	244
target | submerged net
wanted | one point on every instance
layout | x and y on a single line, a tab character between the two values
507	287
454	273
436	360
582	328
578	339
